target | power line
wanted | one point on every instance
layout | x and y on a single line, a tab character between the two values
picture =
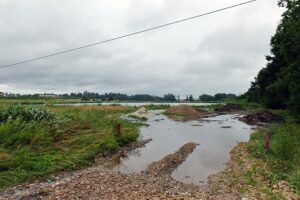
127	35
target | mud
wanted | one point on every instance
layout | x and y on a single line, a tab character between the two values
229	108
260	117
186	113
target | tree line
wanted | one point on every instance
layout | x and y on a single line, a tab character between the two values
277	85
93	95
121	97
217	97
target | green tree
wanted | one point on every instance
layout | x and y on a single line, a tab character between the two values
191	98
206	97
169	97
278	84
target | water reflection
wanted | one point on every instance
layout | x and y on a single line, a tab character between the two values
168	136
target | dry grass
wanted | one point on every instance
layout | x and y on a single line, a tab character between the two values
4	155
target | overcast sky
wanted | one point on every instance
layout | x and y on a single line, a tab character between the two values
221	52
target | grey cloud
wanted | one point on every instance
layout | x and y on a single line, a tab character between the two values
219	53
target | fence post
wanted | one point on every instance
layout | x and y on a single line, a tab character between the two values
118	129
267	140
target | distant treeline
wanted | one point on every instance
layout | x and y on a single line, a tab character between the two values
216	97
94	95
120	97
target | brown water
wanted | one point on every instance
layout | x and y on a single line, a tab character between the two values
168	136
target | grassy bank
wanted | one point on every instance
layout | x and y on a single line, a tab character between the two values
283	158
36	142
242	102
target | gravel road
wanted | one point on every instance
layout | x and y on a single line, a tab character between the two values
101	183
98	182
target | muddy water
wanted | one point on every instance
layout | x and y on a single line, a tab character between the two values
216	136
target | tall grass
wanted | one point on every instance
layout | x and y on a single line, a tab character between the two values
284	155
18	132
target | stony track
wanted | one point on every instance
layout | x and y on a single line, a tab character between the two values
98	182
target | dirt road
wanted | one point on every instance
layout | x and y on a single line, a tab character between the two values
155	183
100	183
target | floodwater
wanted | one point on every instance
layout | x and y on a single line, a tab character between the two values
216	137
137	104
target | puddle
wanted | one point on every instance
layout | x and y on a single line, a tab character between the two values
168	136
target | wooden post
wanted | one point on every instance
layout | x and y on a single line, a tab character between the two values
118	129
267	140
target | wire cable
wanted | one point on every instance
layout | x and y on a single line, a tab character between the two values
127	35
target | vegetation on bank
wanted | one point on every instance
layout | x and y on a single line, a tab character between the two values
36	142
243	103
283	158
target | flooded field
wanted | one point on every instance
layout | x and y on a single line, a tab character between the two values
216	137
